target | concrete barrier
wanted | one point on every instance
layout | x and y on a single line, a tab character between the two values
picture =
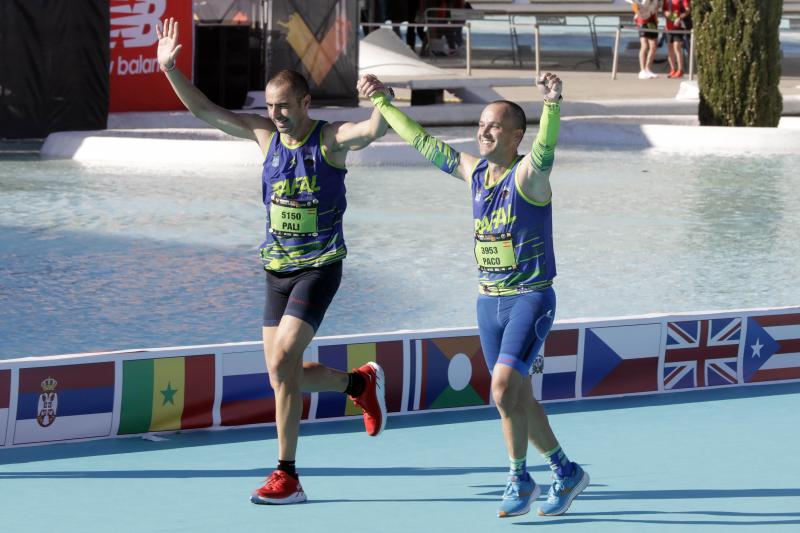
207	146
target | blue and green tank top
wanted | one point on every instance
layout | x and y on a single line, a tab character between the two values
513	236
304	194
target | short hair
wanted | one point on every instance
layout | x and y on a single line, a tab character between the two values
296	82
517	114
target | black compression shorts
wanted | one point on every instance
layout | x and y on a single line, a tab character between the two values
305	294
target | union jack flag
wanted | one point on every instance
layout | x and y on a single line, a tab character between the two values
701	353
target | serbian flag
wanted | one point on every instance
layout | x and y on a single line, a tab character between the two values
247	397
167	394
451	372
621	359
557	379
5	398
772	348
67	402
345	357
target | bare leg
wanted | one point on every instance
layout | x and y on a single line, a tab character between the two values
678	50
539	432
651	53
283	349
672	60
506	391
643	49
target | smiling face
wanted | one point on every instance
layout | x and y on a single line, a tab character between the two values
498	136
287	111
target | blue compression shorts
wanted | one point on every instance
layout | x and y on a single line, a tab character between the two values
513	328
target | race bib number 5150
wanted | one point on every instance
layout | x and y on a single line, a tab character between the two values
292	220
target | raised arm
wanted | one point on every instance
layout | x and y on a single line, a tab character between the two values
533	172
357	135
253	127
441	154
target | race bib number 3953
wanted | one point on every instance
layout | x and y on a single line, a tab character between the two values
495	255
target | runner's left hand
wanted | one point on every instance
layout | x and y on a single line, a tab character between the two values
550	85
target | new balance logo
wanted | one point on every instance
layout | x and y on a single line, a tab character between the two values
134	23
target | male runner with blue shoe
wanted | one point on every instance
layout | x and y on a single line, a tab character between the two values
514	250
304	193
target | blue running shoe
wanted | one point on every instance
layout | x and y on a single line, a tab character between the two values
563	491
521	491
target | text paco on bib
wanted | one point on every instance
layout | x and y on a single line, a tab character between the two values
495	253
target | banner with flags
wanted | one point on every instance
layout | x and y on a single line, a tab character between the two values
450	372
57	403
621	359
247	396
345	357
701	353
772	348
5	400
167	394
181	388
557	379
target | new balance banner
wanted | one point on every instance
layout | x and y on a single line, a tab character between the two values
167	394
64	402
247	396
137	83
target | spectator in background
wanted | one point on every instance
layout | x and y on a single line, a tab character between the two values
646	19
407	11
454	35
678	15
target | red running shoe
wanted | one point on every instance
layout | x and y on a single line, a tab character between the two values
372	400
279	489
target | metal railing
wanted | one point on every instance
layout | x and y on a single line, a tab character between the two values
468	38
659	31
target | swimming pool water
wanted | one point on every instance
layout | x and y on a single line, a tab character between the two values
98	257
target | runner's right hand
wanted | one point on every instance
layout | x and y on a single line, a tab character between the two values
369	85
168	47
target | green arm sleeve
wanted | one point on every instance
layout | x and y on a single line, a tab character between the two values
544	146
437	152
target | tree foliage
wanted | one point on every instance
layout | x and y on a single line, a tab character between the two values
738	57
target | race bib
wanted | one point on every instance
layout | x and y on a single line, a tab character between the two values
495	253
288	218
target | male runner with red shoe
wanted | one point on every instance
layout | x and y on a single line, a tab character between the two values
303	190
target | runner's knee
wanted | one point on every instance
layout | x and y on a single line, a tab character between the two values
505	394
284	367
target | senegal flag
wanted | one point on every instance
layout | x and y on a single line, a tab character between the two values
167	394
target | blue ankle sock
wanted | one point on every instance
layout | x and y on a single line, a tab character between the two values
558	462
